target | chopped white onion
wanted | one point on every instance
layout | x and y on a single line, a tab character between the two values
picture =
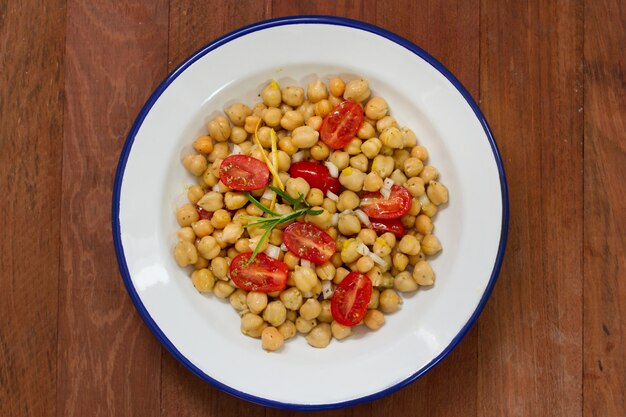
327	289
298	156
332	169
304	262
283	247
380	261
272	251
423	199
386	188
332	195
268	194
347	211
236	150
335	219
216	187
366	201
363	217
361	249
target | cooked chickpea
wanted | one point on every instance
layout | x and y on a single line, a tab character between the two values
187	215
258	108
437	193
409	139
386	123
220	219
326	271
297	186
187	234
364	264
238	135
329	205
220	151
209	179
234	200
353	147
323	220
428	208
367	236
291	120
201	263
359	162
376	108
215	167
340	331
314	122
291	298
208	247
203	144
366	131
372	182
219	129
340	159
275	313
232	232
238	299
257	301
340	274
293	96
381	247
374	319
271	95
212	201
429	173
348	200
400	261
194	193
423	273
307	109
237	113
286	145
404	282
305	326
320	335
272	116
203	280
357	90
315	197
383	165
310	309
271	339
423	224
291	260
352	179
252	325
320	151
305	278
409	245
389	301
202	228
349	225
337	87
287	329
316	91
415	186
373	304
322	108
185	253
398	177
420	153
431	245
391	137
348	251
222	289
196	164
304	137
413	166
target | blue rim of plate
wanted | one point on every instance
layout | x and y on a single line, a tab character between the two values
119	176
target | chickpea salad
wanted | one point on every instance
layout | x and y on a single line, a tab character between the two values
313	210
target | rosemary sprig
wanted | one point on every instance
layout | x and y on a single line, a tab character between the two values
300	208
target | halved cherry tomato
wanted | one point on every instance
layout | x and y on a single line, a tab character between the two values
316	174
263	274
341	124
394	207
350	299
241	172
307	241
203	214
391	225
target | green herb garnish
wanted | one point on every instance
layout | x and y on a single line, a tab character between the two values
273	219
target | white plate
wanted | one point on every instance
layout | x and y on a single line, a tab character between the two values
202	332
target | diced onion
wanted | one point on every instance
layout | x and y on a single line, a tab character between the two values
268	194
423	199
380	261
304	262
272	251
298	156
332	195
216	187
283	247
386	188
361	249
236	150
332	169
363	217
347	211
366	201
327	289
335	219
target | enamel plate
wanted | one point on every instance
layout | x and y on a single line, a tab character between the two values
201	331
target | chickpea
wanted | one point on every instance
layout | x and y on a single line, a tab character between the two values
310	309
208	247
372	182
340	159
423	273
271	339
287	329
353	147
232	232
276	237
220	219
257	301
326	271
316	91
185	253
304	137
359	162
202	228
320	151
348	200
238	135
222	289
286	145
348	252
376	108
307	109
195	193
320	335
430	245
374	319
437	193
409	245
291	120
429	173
291	260
357	90
329	205
297	186
420	153
340	274
413	166
186	234
429	208
209	179
386	123
215	167
325	316
271	95
383	165
293	96
391	137
323	220
237	113
196	164
187	215
212	201
251	123
315	197
219	129
381	247
305	278
337	87
258	108
275	313
364	264
322	108
398	177
291	298
305	326
203	144
367	236
389	301
314	122
409	140
272	116
373	304
404	282
400	261
252	325
366	131
238	299
220	151
203	280
415	186
399	156
340	331
349	225
352	179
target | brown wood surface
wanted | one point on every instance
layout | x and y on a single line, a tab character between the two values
550	78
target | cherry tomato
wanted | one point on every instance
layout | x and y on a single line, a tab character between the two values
263	274
350	299
203	214
241	172
341	124
316	174
394	207
307	241
391	225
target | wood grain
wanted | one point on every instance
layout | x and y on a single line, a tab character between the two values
531	92
32	40
109	363
605	209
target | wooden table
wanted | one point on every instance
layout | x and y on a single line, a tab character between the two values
550	78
